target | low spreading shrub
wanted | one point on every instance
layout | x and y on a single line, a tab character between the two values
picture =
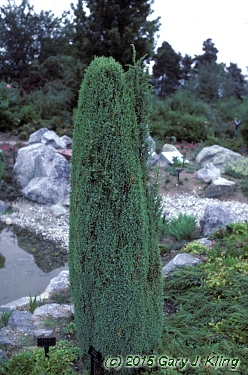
238	168
210	300
34	362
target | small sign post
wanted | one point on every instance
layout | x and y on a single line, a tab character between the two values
45	343
96	357
178	174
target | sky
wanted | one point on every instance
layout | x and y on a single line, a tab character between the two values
185	25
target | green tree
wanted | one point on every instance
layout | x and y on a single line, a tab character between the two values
115	275
234	84
166	70
112	26
209	55
26	36
186	67
206	79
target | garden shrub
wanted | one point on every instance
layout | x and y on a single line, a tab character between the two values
238	168
34	362
210	300
165	122
9	105
114	260
195	247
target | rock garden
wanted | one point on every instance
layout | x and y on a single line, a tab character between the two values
203	252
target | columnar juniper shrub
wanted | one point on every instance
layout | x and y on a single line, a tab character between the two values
114	260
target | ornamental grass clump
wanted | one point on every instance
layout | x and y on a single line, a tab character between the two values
114	259
179	228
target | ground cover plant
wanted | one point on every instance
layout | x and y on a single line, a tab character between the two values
211	306
34	362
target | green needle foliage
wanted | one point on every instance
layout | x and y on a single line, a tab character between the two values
179	228
114	261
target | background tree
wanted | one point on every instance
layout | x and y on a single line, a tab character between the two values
234	84
209	55
116	291
112	26
207	76
26	36
166	70
186	67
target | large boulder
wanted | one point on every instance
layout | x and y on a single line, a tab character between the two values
219	187
208	174
42	173
216	217
219	156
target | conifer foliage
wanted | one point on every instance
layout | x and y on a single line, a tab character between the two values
114	262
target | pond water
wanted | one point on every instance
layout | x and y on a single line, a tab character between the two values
27	264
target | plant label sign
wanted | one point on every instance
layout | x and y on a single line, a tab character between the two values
95	355
46	342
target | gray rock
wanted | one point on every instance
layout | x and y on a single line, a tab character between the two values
3	206
42	173
21	321
216	217
180	260
58	211
219	156
1	354
169	148
153	159
53	310
59	283
66	140
162	161
4	340
43	333
17	304
152	144
204	241
45	190
208	174
36	136
50	138
219	187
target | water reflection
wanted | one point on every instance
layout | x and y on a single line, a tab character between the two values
27	264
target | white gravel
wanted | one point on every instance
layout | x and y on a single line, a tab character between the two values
42	221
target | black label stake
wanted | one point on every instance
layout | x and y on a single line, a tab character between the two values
45	343
96	357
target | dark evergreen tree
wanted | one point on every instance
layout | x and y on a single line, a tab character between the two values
206	79
166	70
209	55
112	26
234	84
114	261
186	67
26	36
